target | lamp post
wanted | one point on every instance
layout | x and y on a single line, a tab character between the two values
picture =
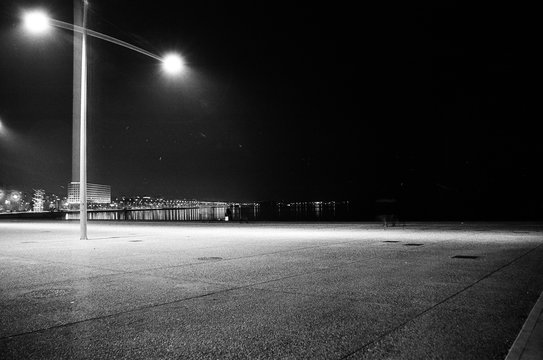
38	22
83	132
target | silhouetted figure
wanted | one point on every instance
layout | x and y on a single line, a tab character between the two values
387	211
228	214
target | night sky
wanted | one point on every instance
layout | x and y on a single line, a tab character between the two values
431	104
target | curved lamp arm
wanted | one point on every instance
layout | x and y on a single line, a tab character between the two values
96	34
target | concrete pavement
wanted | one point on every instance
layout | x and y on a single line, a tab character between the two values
269	291
529	342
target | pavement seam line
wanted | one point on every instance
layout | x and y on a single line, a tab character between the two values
190	264
386	333
146	307
255	285
277	252
144	272
150	306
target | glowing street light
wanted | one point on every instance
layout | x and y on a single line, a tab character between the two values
37	22
173	64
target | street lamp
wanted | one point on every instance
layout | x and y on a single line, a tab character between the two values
173	64
37	22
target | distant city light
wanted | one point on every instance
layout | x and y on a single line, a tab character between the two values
36	21
173	64
15	196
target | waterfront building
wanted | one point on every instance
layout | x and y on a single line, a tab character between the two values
96	193
38	200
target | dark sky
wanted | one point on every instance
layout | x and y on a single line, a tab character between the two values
431	103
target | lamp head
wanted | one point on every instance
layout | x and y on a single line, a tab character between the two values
173	64
36	21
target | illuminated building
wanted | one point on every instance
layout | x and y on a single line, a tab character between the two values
38	200
96	193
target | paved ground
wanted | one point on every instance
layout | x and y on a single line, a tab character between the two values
267	291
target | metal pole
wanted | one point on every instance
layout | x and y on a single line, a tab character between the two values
83	132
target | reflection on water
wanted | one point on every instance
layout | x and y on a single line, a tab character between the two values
262	211
175	214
